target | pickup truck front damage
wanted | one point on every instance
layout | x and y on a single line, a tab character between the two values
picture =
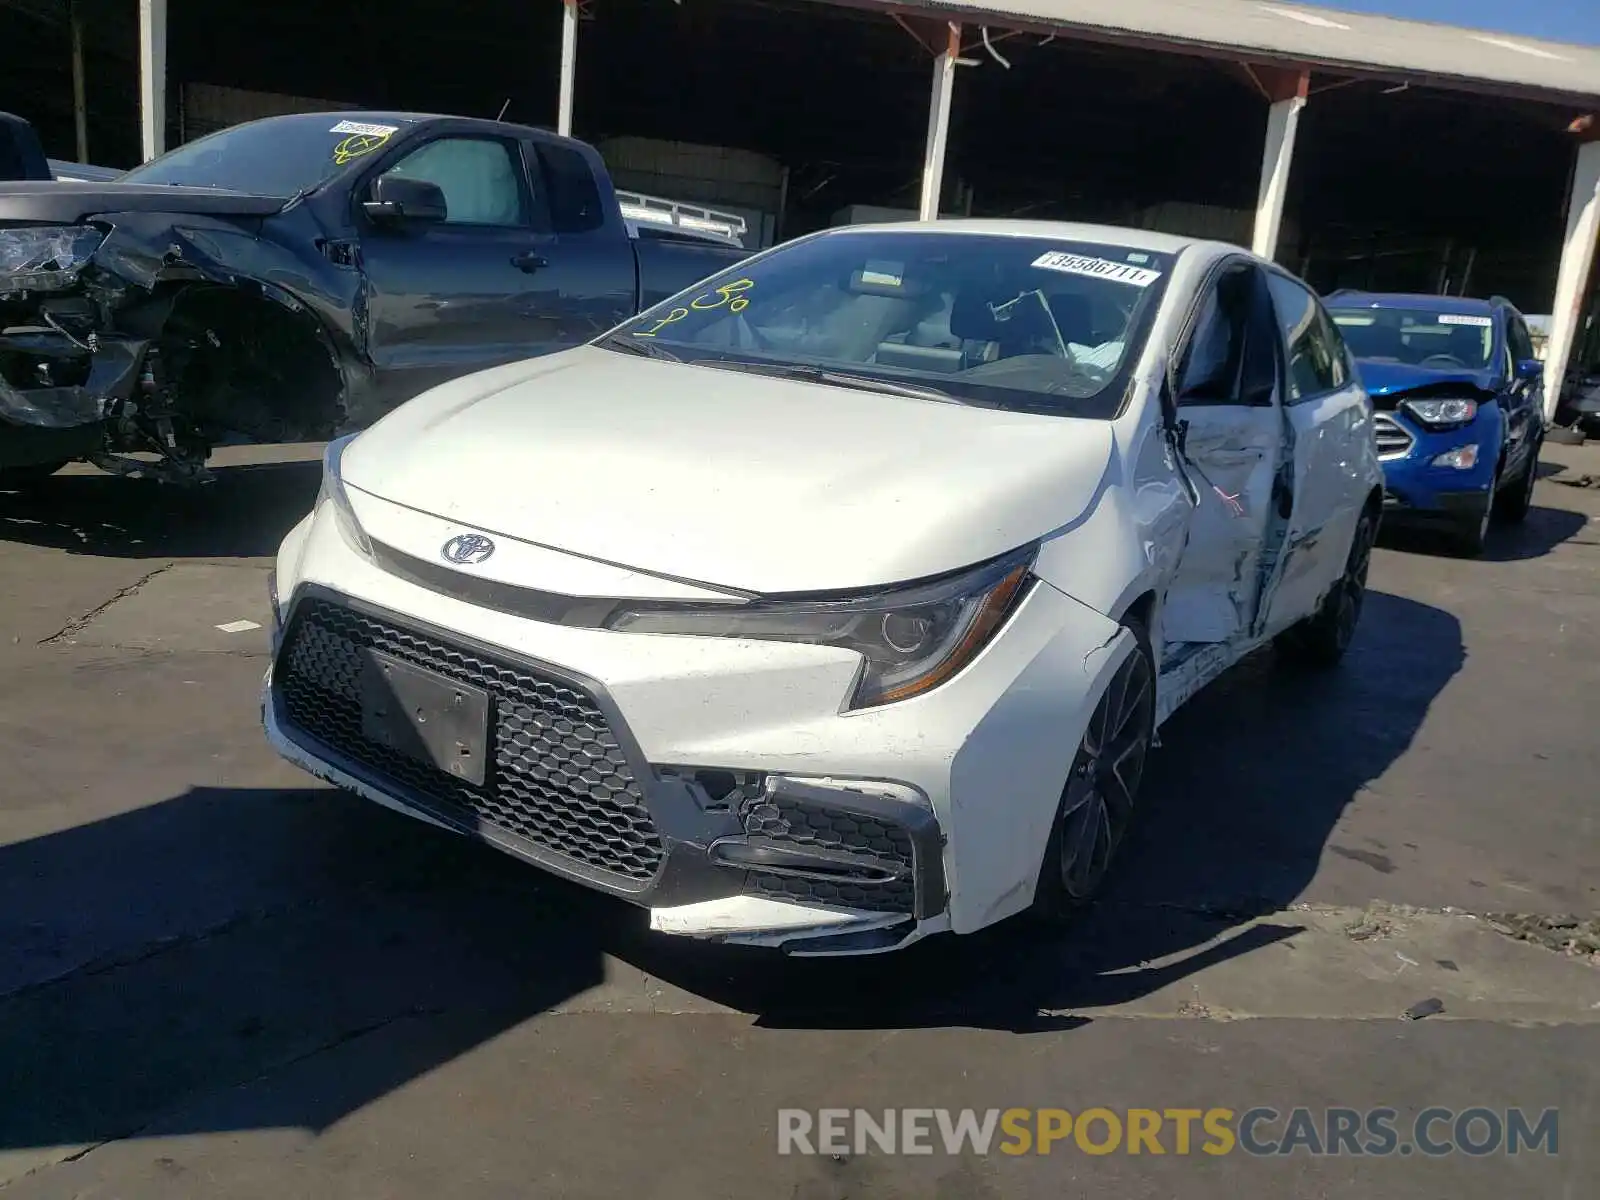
165	333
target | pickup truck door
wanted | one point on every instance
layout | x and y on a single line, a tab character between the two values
488	285
1234	456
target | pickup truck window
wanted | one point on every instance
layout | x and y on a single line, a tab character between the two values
480	178
1023	323
573	198
277	156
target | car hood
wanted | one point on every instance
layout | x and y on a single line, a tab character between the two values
1387	378
726	478
64	202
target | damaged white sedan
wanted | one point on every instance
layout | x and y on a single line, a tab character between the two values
836	601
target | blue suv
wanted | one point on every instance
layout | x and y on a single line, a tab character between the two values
1459	400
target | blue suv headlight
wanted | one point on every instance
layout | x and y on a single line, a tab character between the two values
1442	413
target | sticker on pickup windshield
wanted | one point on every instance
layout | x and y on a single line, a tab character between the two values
1097	268
1459	319
382	131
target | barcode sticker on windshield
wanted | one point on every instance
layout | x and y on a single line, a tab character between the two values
884	274
363	127
1097	268
1459	319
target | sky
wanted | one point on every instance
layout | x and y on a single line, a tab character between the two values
1575	21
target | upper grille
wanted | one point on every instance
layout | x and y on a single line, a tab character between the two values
558	777
1392	438
783	819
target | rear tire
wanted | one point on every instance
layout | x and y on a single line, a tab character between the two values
1100	797
1320	641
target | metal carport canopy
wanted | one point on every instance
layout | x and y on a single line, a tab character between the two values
1299	35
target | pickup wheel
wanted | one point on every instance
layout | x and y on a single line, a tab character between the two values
1100	797
1321	639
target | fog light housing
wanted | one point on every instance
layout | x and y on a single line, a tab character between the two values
1462	458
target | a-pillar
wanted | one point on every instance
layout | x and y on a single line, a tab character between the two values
944	79
153	77
1577	259
569	65
1286	91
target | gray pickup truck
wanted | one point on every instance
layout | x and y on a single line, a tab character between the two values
296	276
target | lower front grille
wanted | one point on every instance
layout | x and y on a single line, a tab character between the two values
558	777
1392	438
807	825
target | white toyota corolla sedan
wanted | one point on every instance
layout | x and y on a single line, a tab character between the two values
835	602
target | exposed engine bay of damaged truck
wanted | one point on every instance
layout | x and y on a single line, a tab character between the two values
296	276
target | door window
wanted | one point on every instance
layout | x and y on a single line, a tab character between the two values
1316	361
481	179
1521	343
1230	358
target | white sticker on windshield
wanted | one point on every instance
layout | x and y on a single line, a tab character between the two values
363	127
884	274
1097	268
1459	319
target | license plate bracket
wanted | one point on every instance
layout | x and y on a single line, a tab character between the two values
425	716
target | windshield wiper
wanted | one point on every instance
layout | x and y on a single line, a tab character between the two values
642	349
863	383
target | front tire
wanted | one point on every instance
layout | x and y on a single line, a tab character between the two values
1100	797
1321	639
1514	503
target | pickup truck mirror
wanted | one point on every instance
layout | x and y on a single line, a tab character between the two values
398	200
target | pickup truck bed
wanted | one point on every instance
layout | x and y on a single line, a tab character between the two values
297	276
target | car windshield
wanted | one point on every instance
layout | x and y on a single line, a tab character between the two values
278	156
1027	323
1417	337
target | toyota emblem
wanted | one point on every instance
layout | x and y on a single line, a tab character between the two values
467	549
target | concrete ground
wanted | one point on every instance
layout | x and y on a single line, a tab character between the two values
218	977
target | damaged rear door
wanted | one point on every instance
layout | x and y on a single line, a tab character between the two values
1329	421
1235	454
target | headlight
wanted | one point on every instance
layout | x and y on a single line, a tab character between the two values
333	492
45	257
1442	414
913	638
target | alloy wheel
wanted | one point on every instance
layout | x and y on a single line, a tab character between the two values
1353	587
1105	778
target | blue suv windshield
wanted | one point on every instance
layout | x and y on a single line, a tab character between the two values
1417	337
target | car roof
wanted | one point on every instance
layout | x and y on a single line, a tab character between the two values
1464	305
1073	231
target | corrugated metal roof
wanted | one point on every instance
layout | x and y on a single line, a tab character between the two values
1296	33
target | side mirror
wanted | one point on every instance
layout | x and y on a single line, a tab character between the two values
1530	369
397	200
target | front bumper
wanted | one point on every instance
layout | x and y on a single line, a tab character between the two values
1417	490
715	782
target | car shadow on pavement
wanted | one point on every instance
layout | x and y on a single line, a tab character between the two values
1241	802
154	961
1540	532
244	513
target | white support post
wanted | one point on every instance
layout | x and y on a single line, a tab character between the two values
153	76
569	65
1572	284
944	78
1283	120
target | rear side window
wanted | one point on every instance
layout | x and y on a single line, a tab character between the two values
1316	362
573	196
